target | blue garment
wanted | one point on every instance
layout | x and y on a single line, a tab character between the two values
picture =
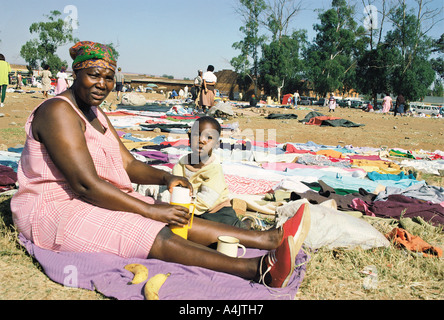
374	175
158	139
350	183
129	136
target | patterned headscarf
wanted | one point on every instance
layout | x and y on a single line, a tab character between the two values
87	54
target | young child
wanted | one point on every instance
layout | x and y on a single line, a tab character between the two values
203	170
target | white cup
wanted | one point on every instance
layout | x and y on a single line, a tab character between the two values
229	245
180	195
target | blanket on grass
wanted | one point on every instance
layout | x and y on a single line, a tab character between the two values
106	274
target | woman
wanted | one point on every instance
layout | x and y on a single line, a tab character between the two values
331	103
5	69
62	81
399	106
387	103
207	95
46	81
75	189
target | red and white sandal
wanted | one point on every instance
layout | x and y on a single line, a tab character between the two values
298	226
280	264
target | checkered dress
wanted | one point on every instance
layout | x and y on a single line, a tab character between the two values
46	210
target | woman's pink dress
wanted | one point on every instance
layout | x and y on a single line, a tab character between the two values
46	210
61	83
386	104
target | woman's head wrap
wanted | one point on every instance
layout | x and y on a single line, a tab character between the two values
88	54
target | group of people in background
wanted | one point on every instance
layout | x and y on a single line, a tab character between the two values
203	90
400	104
5	69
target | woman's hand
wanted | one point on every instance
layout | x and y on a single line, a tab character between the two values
173	215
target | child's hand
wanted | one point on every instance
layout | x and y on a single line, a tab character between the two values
174	181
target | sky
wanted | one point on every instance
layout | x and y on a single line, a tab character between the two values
172	37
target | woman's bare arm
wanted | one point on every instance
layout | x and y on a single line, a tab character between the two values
61	130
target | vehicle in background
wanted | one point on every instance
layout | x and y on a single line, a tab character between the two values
425	109
319	102
351	103
305	101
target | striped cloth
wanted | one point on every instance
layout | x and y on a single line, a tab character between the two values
46	211
243	185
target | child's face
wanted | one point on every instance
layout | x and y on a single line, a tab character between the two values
203	139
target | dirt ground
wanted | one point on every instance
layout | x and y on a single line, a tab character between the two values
410	133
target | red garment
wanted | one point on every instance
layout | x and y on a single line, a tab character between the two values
289	148
177	143
317	121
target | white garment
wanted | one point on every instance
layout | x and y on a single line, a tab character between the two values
332	228
62	75
209	77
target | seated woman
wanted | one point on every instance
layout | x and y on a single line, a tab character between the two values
75	192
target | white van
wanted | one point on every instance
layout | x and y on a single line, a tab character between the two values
425	109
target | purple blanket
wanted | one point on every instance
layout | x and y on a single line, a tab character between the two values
106	274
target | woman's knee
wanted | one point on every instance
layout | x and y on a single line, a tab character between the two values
162	240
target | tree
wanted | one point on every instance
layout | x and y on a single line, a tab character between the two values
331	58
51	35
281	65
413	74
279	15
375	69
246	64
438	63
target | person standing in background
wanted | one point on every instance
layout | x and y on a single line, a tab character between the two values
399	106
195	91
296	98
120	78
46	81
62	81
19	80
207	96
5	69
332	103
387	103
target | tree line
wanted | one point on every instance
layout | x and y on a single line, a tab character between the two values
371	46
50	35
385	50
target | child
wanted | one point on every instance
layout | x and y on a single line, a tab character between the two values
203	170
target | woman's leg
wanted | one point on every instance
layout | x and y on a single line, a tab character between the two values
205	232
284	244
172	248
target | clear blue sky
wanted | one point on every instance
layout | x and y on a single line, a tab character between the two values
173	37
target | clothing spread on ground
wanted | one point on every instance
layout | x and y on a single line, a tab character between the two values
343	185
